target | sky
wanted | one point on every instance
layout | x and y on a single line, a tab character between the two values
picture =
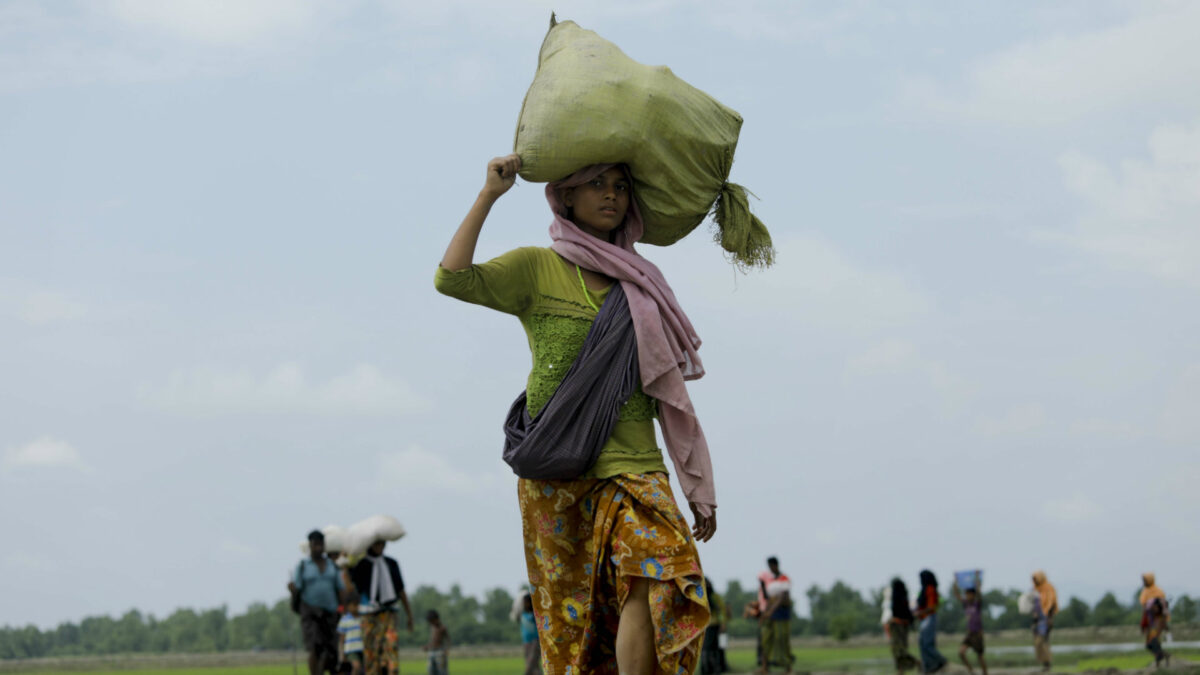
219	224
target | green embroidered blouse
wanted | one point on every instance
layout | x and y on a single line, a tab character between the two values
541	289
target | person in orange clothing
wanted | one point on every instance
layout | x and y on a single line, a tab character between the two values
1150	591
1155	625
1044	617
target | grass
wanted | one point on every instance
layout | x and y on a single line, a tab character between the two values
475	666
1132	661
846	659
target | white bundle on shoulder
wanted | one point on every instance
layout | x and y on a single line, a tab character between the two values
1026	600
778	587
369	530
335	540
886	605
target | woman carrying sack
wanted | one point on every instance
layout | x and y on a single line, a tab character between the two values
617	581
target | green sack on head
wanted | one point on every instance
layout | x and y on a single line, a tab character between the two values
591	104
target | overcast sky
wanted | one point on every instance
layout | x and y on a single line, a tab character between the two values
219	223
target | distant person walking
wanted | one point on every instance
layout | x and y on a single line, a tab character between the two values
1150	591
710	653
900	621
971	601
317	586
932	660
529	637
350	632
775	599
438	647
1155	617
1045	607
1155	628
377	578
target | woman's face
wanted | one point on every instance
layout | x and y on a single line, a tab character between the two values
598	207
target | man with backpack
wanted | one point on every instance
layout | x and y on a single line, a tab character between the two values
316	588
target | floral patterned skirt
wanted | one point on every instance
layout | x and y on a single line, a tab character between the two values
585	542
381	655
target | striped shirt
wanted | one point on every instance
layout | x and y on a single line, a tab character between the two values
351	628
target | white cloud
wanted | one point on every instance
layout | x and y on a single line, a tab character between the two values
894	357
27	563
837	28
43	452
419	469
232	551
285	389
1180	420
1143	215
1075	508
1019	420
886	356
815	283
1106	428
217	21
45	307
1153	57
141	41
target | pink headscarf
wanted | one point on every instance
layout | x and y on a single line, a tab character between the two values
666	340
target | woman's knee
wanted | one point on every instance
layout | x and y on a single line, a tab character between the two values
639	595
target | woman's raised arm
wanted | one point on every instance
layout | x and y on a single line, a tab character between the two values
501	174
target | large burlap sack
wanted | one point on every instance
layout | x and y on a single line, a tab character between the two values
590	104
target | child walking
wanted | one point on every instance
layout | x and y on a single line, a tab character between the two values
971	601
438	646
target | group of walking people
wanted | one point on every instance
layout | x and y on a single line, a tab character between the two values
899	617
349	613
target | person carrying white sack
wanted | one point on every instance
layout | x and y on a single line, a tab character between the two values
381	587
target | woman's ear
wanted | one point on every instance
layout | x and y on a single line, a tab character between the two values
567	197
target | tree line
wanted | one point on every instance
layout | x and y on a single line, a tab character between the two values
839	611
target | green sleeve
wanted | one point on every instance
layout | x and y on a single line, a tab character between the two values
505	283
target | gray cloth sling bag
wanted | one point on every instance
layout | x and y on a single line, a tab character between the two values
566	437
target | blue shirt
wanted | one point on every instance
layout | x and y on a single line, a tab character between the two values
528	628
319	589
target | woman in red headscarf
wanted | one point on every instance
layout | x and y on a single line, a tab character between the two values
617	579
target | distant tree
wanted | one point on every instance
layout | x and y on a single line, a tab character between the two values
736	598
839	600
246	630
951	617
497	605
275	635
1001	607
842	626
1108	612
1184	610
1075	614
67	640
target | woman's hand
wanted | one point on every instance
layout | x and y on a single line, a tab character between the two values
705	526
501	174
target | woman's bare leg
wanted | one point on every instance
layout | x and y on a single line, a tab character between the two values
635	632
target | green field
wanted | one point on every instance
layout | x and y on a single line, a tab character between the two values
872	659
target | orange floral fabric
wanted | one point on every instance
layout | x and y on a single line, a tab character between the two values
585	542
